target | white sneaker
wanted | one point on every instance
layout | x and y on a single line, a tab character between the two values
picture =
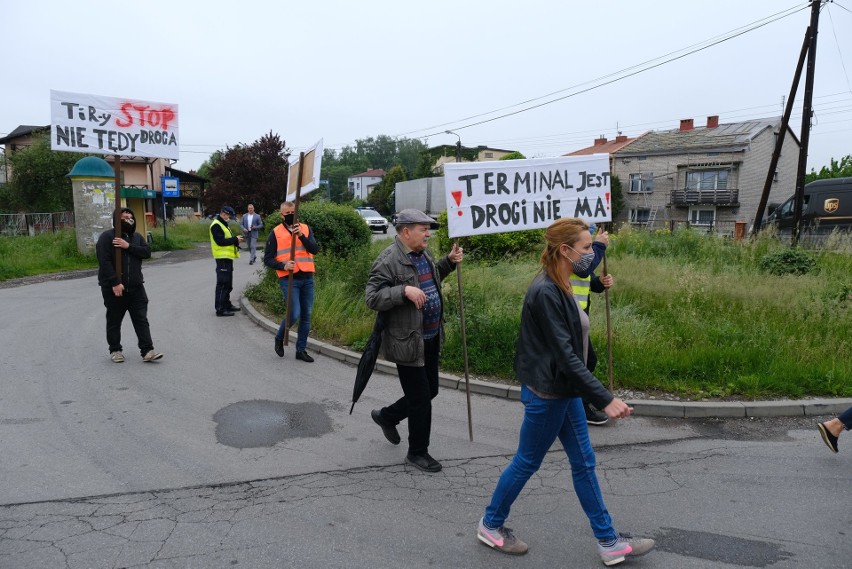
626	546
150	356
117	357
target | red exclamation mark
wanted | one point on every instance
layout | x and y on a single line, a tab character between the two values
607	200
457	195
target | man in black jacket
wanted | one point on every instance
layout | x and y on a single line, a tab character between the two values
128	293
225	247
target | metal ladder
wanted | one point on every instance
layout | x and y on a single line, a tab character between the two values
652	216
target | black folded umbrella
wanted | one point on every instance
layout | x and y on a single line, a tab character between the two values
367	363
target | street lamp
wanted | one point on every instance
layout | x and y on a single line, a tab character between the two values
458	145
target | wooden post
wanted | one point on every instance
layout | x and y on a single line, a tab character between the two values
464	349
117	217
293	249
608	328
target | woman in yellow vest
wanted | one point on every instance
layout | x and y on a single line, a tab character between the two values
226	248
277	255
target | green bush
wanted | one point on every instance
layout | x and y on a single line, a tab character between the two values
788	262
338	229
494	247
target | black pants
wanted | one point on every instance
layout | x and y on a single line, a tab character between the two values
134	301
419	386
224	283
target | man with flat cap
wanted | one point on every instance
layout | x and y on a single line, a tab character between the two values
405	287
226	247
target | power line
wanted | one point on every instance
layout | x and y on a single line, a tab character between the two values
619	75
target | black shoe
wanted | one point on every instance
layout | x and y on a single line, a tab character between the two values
233	308
224	313
305	357
251	262
391	434
595	417
829	439
424	462
279	347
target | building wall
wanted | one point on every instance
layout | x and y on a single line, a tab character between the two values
755	170
748	175
362	185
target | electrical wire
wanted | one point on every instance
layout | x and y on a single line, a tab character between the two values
622	74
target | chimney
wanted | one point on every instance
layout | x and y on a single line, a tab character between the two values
601	140
685	125
621	138
713	121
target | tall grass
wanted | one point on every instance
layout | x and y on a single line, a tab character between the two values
183	235
23	256
691	314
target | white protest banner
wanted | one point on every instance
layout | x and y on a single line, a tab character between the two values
310	172
512	195
108	125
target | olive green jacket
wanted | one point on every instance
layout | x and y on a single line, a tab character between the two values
392	271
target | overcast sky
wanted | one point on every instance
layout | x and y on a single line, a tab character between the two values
342	70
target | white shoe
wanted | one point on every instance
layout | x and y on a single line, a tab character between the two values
150	356
117	357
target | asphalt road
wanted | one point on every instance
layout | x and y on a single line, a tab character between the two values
224	455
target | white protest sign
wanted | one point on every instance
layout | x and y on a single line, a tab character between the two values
512	195
108	125
310	172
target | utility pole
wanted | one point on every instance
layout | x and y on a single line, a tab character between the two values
782	132
807	112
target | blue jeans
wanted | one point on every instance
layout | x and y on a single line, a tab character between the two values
303	303
846	419
544	420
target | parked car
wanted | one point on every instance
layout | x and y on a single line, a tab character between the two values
373	219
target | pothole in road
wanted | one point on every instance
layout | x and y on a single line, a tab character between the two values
263	423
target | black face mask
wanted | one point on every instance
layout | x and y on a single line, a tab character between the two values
289	218
127	226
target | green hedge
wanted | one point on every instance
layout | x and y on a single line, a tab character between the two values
338	229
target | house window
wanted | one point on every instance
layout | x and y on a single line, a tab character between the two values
704	217
639	215
707	179
489	155
641	182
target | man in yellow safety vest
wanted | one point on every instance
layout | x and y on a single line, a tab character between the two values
225	246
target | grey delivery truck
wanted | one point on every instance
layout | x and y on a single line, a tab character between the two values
827	205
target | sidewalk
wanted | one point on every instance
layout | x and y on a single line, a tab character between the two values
643	407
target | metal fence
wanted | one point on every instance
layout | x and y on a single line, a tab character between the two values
35	223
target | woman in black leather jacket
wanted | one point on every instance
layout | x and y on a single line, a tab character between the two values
550	363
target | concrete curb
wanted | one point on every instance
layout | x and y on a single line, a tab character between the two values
643	407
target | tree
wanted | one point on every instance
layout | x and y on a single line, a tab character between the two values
338	179
39	182
409	152
380	197
383	152
255	173
207	165
514	156
616	196
424	166
841	169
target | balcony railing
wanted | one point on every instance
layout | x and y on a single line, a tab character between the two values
705	197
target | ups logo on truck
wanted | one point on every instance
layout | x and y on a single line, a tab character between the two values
831	205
